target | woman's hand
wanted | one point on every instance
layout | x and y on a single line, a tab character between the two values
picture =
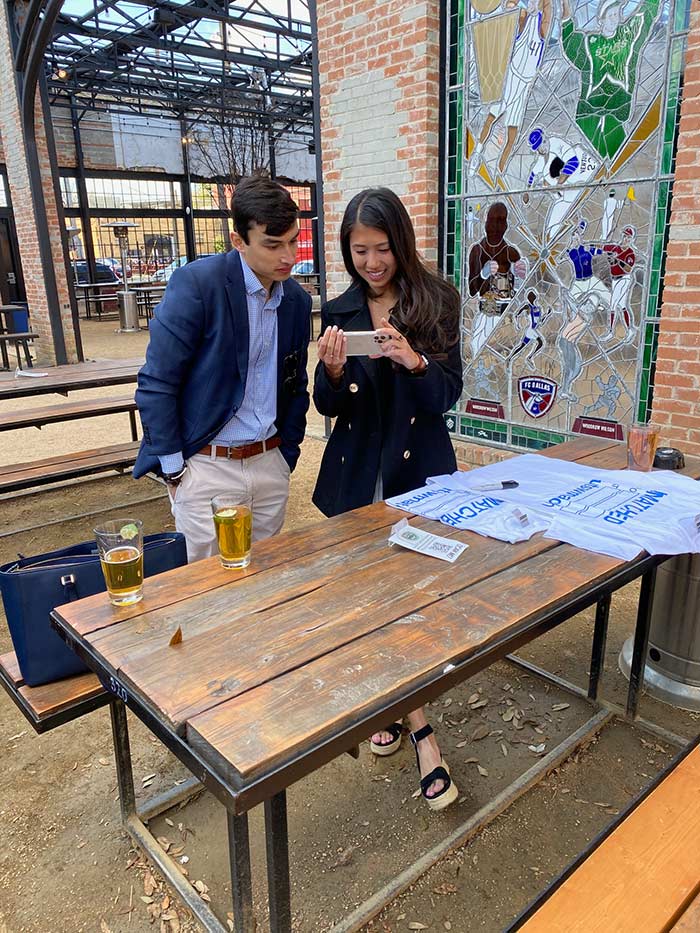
332	352
397	348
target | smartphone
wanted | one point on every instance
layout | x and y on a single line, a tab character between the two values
363	342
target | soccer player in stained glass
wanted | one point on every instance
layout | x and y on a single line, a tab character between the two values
558	165
528	48
607	61
532	338
481	380
610	393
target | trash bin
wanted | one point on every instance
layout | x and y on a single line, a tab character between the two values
672	671
128	313
18	320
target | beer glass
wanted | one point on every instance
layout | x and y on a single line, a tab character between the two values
642	440
120	546
233	523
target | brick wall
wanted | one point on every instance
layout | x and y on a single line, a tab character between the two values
676	403
378	63
27	233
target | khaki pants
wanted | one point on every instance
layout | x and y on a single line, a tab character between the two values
263	479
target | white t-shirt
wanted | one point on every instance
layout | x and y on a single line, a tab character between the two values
614	512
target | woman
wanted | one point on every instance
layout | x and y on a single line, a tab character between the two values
390	434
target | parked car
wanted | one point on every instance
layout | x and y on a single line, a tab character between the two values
104	274
163	275
117	266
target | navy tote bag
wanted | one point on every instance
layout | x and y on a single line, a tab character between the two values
33	586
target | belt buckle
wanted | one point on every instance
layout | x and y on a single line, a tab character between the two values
229	455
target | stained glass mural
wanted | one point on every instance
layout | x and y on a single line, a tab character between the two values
560	146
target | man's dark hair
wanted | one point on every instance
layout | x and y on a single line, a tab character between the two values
260	200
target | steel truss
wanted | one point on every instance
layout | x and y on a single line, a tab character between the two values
202	61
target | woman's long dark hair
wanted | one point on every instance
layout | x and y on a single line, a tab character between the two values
427	311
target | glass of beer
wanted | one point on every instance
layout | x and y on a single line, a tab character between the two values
642	440
120	546
233	523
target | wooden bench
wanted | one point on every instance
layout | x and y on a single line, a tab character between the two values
67	466
19	342
642	874
51	704
70	411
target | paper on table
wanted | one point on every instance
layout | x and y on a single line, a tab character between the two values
424	543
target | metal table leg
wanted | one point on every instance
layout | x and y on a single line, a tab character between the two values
277	845
641	641
122	754
241	881
600	637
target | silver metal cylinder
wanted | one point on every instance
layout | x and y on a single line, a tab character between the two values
672	671
128	313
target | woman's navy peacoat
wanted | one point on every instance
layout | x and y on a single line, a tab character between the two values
414	442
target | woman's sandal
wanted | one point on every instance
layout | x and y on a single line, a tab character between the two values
395	730
449	792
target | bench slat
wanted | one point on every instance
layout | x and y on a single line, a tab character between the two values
38	472
644	874
690	921
67	411
52	704
25	335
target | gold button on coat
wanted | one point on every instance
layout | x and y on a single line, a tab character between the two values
353	387
406	454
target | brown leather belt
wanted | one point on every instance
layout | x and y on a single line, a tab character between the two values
241	453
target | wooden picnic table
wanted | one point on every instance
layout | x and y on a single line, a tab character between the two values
69	378
325	637
98	293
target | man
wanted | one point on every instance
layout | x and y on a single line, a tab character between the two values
223	393
523	67
562	167
493	266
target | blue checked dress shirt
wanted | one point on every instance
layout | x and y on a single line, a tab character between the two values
255	419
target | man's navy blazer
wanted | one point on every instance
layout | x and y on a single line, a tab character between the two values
194	376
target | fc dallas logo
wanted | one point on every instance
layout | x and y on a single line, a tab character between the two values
536	395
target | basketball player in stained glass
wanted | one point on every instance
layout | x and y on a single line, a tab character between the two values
608	63
528	48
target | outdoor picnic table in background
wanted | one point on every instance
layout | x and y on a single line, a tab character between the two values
102	296
325	637
61	380
147	297
69	378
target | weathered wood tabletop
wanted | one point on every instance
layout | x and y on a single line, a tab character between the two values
64	379
285	664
